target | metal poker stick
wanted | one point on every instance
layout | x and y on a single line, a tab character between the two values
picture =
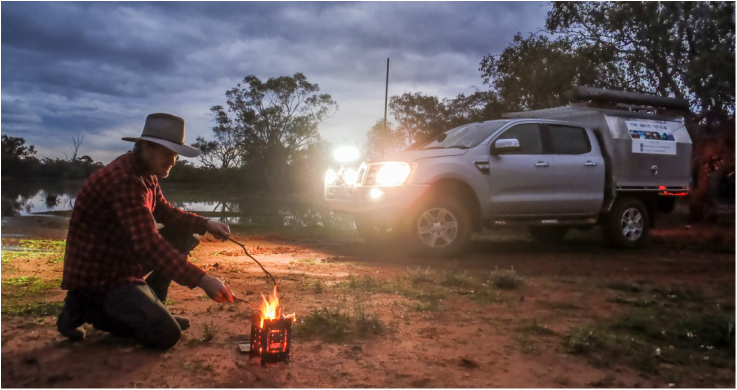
259	264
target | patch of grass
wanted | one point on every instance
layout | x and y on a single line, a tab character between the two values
425	294
56	260
329	325
244	314
559	307
21	281
486	296
306	261
535	327
317	286
51	245
505	279
420	276
203	297
368	283
8	256
645	337
232	266
35	309
679	293
27	286
455	279
428	294
34	249
526	343
209	332
170	302
336	326
526	333
198	366
367	325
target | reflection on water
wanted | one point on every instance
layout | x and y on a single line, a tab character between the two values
24	198
27	199
44	201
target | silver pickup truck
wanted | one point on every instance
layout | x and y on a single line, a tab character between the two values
550	170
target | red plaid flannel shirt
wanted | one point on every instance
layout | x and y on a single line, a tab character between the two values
112	235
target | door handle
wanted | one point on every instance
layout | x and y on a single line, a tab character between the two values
541	164
590	164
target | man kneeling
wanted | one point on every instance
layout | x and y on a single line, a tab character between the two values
113	243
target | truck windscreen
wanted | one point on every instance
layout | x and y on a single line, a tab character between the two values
464	137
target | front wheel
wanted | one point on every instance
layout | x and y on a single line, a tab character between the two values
439	227
627	225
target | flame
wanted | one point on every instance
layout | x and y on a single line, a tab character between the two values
270	308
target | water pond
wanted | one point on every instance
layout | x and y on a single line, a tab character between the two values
55	198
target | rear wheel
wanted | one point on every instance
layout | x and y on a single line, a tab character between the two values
548	234
627	225
439	227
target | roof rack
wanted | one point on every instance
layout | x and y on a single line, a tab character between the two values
630	100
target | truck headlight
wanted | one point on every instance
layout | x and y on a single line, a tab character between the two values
350	176
330	177
393	174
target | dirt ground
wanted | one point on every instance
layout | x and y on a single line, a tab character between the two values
520	338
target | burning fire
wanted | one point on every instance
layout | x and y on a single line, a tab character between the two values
270	308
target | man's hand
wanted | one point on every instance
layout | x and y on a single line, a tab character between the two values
218	230
216	290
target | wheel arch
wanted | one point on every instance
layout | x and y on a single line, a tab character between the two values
463	192
649	199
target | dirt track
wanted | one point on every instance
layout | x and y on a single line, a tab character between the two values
518	341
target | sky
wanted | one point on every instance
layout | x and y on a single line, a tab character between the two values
97	69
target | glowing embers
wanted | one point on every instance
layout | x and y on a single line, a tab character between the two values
271	332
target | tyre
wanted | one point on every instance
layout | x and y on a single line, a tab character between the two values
438	227
548	234
375	230
627	224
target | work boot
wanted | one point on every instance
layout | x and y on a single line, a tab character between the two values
183	322
70	319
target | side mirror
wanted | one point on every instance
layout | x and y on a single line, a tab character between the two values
504	146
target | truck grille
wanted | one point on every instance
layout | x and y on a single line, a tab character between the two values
341	193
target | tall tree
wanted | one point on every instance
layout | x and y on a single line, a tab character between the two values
537	72
76	144
384	139
227	150
479	106
15	148
18	159
418	116
678	49
269	121
421	116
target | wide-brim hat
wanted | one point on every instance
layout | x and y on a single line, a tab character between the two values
166	130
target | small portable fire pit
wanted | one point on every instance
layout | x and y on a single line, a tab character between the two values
271	332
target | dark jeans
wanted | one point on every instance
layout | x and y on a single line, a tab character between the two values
131	309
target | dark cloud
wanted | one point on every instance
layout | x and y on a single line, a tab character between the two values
101	67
